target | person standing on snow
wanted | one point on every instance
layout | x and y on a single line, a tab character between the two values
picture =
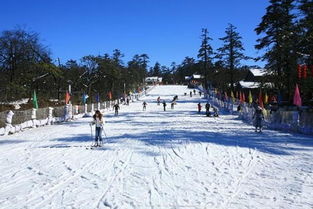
200	93
199	107
190	93
172	105
207	109
164	105
98	121
144	105
215	111
158	100
258	119
116	107
194	91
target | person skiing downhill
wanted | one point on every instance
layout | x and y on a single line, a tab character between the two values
144	105
199	107
258	119
116	107
164	105
98	121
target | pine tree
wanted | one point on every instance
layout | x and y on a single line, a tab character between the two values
306	25
156	70
231	53
305	50
205	54
279	39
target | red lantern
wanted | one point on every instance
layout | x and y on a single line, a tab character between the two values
299	71
312	70
305	69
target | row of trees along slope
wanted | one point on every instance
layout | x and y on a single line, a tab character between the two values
26	65
285	39
285	36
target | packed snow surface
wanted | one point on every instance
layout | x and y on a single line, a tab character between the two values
157	159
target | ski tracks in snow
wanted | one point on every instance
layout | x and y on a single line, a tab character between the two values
154	159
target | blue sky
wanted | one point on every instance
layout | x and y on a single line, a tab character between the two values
167	30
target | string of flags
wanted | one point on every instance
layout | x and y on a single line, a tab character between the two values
262	99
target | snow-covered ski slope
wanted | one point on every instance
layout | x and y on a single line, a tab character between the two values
156	159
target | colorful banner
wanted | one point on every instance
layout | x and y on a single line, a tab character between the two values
35	103
232	96
67	97
97	98
266	99
297	98
250	98
110	95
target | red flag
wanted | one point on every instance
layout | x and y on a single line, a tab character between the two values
304	71
299	71
261	100
226	97
110	95
243	97
67	97
297	98
240	97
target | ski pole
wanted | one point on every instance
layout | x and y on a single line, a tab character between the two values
91	134
104	133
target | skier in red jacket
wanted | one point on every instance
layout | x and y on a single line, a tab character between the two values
199	107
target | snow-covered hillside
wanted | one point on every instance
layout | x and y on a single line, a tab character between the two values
157	159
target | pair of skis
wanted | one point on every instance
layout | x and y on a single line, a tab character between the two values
96	144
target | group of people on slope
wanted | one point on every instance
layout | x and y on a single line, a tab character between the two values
173	102
194	93
208	106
